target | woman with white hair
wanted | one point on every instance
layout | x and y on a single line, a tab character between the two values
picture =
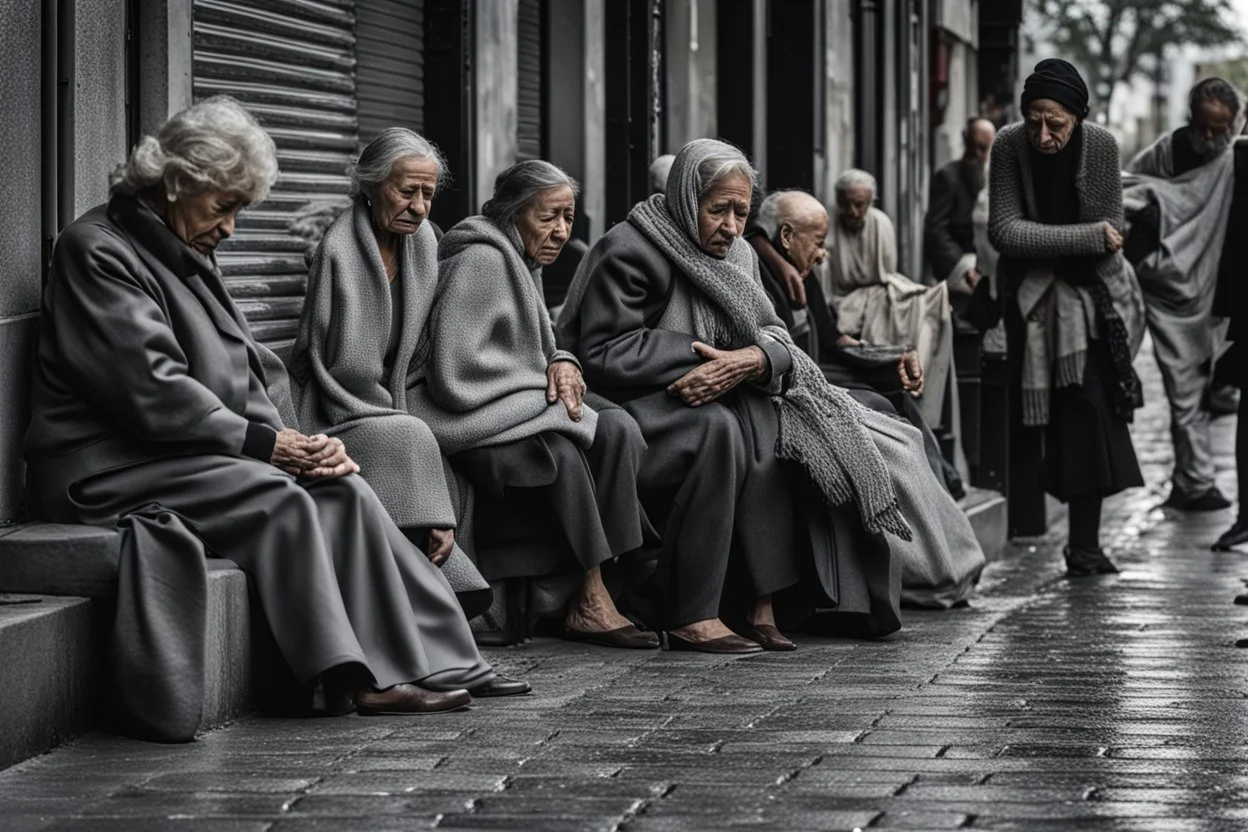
150	415
509	408
754	452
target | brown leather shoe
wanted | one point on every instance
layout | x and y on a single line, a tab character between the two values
769	636
501	686
732	644
410	699
630	637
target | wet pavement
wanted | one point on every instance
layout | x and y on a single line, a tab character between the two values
1114	703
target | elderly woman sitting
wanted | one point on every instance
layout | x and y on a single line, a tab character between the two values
361	335
150	415
755	451
1074	312
507	406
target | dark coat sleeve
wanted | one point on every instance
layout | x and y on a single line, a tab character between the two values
120	354
619	348
943	251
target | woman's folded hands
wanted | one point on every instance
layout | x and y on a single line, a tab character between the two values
315	457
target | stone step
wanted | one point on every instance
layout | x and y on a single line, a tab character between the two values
989	516
52	649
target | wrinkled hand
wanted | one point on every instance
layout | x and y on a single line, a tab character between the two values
847	341
910	371
973	277
440	543
723	370
564	384
1113	238
317	457
794	286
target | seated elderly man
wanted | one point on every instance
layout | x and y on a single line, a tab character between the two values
792	228
1179	209
875	303
752	454
150	415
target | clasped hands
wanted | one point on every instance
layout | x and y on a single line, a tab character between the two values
564	384
720	371
315	457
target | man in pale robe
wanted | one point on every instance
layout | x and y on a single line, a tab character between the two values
875	303
1178	201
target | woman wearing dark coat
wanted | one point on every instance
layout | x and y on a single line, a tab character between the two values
1074	310
750	448
509	408
150	415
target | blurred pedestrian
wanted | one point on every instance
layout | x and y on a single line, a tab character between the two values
1075	312
1182	201
948	228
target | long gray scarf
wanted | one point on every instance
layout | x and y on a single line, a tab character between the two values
821	427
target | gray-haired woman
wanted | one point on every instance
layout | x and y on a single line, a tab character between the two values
508	407
361	334
150	415
754	452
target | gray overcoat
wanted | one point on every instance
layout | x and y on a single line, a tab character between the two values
150	415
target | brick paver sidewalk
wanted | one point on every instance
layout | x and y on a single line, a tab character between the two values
1108	703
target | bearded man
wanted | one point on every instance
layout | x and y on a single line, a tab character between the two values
875	303
1178	208
948	229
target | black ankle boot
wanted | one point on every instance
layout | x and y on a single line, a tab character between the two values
1080	563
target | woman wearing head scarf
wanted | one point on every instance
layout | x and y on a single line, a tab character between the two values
150	415
508	407
749	446
1075	311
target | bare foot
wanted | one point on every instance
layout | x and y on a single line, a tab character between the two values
762	612
708	630
593	611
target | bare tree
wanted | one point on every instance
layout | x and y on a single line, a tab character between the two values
1119	39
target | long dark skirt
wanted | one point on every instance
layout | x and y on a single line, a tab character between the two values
590	494
1087	447
338	582
729	499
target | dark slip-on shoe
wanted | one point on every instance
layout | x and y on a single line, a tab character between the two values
1236	535
729	645
501	686
410	699
769	636
628	637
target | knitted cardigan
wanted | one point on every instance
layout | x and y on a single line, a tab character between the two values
491	342
1017	235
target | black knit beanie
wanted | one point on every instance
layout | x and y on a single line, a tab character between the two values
1058	81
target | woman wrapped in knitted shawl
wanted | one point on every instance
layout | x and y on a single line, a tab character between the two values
755	451
507	406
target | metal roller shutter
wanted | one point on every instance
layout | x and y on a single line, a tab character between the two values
529	80
390	77
291	62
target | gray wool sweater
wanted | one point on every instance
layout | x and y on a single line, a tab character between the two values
1018	236
491	341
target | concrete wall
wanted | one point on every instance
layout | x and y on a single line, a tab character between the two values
595	183
690	66
838	89
20	194
496	92
99	95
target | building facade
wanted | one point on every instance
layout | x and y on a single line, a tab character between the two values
600	87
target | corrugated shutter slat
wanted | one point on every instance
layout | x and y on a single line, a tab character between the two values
390	79
292	63
529	80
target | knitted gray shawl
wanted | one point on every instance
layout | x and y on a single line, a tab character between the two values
821	427
490	344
